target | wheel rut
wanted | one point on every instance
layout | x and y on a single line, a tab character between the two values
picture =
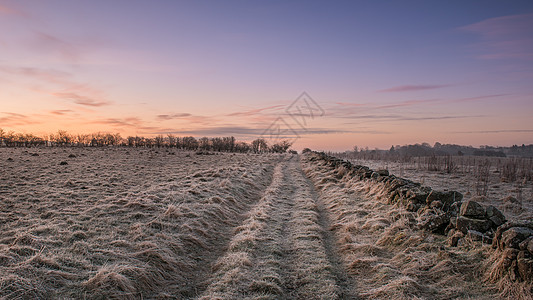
283	249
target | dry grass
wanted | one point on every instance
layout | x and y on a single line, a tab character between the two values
145	224
475	175
119	223
279	251
383	250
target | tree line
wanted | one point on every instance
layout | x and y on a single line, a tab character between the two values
64	139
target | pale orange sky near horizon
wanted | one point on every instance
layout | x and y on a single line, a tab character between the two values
382	74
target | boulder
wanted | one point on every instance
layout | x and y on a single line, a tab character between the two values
475	235
446	198
454	209
472	209
383	172
434	223
495	215
512	237
464	224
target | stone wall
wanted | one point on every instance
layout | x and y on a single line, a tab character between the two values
447	213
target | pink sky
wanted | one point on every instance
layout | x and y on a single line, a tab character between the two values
381	75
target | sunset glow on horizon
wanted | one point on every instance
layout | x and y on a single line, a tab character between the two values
379	73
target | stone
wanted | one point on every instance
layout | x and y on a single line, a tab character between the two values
512	237
464	224
446	198
63	163
472	209
524	263
383	172
434	223
455	208
475	235
495	215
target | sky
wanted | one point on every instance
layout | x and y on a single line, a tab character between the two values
327	75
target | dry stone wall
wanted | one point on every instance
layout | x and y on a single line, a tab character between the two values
446	212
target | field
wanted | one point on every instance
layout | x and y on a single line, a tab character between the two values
473	176
121	223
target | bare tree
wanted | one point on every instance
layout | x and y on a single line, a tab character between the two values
242	147
259	146
159	141
171	140
281	147
203	143
229	143
190	143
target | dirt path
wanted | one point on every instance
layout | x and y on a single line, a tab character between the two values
283	249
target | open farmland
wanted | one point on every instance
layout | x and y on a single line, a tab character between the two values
143	224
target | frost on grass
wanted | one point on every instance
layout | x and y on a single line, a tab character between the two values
382	248
119	223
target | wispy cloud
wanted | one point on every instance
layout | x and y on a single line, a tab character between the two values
254	112
56	45
411	88
504	37
479	98
16	119
47	75
397	117
189	118
81	100
129	123
256	132
496	131
173	116
408	103
77	93
61	112
6	10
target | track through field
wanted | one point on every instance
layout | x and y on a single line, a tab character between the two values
283	249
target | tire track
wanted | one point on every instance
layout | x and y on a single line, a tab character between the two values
280	249
346	285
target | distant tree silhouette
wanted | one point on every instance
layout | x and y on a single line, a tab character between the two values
259	146
280	147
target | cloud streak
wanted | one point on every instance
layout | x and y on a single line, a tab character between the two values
55	45
504	37
15	119
496	131
80	100
173	116
61	112
5	10
257	111
411	88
